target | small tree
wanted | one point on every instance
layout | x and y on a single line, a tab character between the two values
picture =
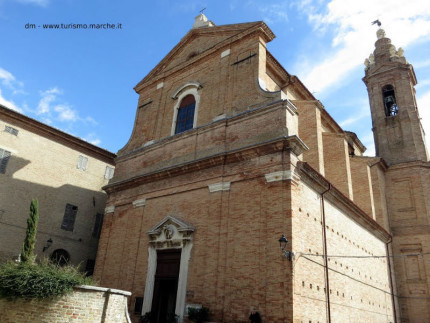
30	236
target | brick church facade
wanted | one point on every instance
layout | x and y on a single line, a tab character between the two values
229	152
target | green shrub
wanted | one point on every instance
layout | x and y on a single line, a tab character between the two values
30	280
198	315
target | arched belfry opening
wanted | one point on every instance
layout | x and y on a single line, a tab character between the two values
390	105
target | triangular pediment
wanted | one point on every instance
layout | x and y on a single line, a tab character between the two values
201	41
170	232
180	225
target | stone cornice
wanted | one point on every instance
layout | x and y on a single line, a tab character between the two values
41	129
284	143
354	139
321	184
378	161
370	73
414	230
412	164
217	187
281	104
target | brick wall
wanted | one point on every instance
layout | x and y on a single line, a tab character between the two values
359	287
84	304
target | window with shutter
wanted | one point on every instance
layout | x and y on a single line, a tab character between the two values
69	217
11	130
98	225
82	162
4	159
109	172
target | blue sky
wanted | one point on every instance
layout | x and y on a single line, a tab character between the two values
81	81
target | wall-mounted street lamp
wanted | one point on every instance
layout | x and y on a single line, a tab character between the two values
283	244
47	244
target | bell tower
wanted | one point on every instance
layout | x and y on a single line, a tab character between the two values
399	140
390	81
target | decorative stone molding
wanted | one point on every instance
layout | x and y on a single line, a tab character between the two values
110	209
149	143
220	117
186	89
170	233
160	85
223	186
195	85
225	53
380	33
279	176
139	203
202	21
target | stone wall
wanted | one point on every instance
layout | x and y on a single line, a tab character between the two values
43	165
85	304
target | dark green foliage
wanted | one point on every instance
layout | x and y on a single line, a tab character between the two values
149	317
198	315
146	318
30	236
31	280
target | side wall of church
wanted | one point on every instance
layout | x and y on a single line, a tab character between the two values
359	287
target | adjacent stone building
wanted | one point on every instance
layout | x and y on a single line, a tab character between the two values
229	152
65	174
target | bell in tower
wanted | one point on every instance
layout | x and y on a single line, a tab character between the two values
391	108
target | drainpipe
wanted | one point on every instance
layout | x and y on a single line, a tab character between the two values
325	254
391	280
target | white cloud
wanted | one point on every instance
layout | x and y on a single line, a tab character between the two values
6	77
93	139
424	110
275	12
9	104
48	96
422	64
9	80
354	36
91	120
359	110
368	140
66	113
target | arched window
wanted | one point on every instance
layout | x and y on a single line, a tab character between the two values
389	98
185	114
60	257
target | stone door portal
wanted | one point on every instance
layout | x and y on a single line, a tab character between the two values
166	285
169	250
